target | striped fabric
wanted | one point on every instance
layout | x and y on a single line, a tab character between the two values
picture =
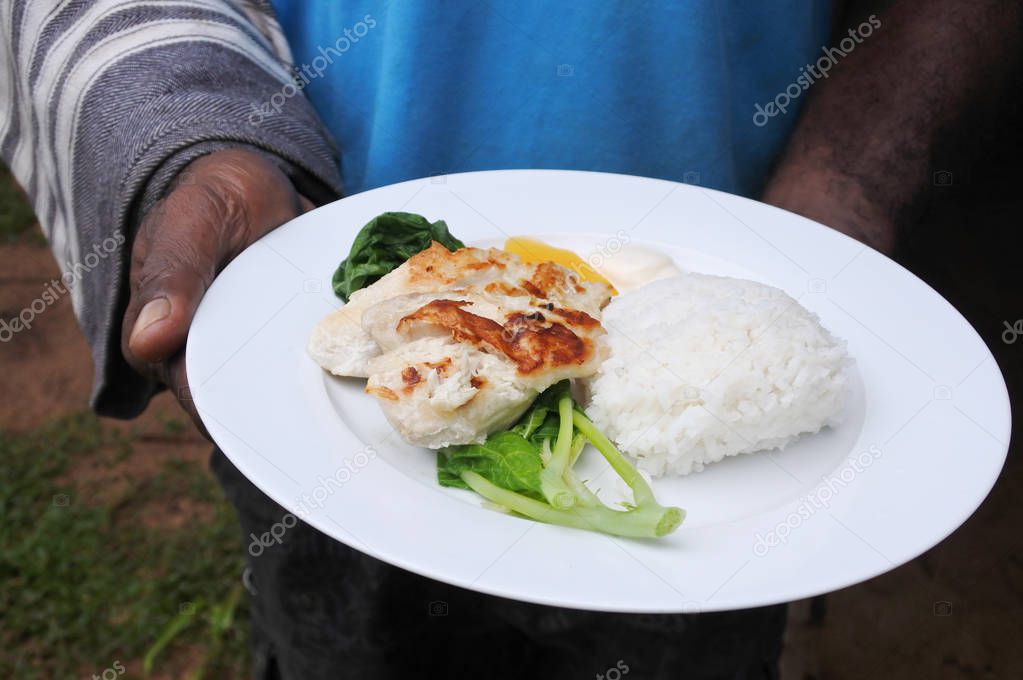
102	102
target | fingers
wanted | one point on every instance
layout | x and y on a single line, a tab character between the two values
230	199
174	259
172	373
176	379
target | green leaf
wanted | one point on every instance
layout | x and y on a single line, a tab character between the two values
384	244
506	459
548	430
541	421
174	627
509	457
551	397
531	421
448	477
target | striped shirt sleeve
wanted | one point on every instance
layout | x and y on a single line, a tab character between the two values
102	102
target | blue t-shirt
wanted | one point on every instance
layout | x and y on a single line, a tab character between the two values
662	89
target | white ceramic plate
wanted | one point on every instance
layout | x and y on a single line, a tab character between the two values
924	439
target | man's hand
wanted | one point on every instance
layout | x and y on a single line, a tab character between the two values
218	205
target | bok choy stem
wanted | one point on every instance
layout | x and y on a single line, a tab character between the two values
555	489
651	521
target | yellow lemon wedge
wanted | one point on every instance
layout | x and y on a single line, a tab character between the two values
533	251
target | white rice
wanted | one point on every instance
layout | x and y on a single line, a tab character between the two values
703	367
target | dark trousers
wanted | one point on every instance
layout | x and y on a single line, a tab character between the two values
323	610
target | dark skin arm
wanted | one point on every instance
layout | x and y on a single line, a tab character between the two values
927	81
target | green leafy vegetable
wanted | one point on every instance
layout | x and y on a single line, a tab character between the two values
528	470
507	458
384	244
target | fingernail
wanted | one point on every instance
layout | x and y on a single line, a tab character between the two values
153	311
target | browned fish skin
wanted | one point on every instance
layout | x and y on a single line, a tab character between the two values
440	366
410	376
574	317
528	340
382	392
438	266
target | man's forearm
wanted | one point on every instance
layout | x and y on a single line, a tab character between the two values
100	108
861	155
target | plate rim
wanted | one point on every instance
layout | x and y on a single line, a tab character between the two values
321	523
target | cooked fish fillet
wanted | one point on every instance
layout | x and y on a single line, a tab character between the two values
380	321
511	328
434	393
340	344
543	344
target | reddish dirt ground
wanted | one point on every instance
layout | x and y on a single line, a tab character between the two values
47	373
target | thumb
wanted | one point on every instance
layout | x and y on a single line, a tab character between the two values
228	200
163	310
174	260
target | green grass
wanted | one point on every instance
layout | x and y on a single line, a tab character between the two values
84	583
17	221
